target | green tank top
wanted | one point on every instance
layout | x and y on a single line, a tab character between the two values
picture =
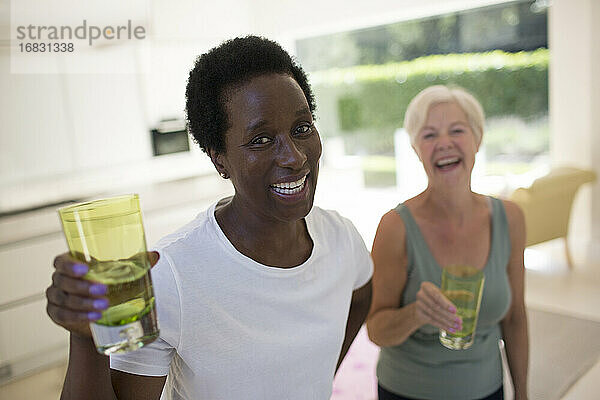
421	367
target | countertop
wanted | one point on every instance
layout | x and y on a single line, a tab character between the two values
162	184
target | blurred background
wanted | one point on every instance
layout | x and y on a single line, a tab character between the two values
73	131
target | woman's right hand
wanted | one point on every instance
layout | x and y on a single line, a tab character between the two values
74	302
432	307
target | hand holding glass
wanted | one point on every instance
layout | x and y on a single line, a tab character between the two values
463	286
108	236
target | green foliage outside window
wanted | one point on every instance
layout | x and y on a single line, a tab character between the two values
366	104
376	96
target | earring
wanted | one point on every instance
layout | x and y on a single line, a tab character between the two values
224	175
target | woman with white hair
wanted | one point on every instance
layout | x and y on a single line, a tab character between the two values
447	224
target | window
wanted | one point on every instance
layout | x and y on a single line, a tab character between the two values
364	79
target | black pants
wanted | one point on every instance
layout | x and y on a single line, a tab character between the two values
385	395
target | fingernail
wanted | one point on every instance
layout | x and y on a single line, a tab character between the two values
452	309
456	325
80	269
97	289
94	315
100	304
452	330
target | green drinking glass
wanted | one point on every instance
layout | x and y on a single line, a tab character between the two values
108	236
463	286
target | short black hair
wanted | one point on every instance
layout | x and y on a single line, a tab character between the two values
232	63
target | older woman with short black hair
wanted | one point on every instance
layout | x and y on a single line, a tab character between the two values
261	295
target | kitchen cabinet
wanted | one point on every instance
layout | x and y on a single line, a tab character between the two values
27	266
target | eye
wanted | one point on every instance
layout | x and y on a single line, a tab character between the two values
428	135
259	140
304	129
457	131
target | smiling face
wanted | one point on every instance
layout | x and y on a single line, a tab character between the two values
446	145
272	148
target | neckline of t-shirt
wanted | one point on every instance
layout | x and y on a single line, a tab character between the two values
255	265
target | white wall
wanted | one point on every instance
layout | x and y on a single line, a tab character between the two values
575	107
34	137
180	32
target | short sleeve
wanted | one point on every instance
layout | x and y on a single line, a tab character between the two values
155	358
361	256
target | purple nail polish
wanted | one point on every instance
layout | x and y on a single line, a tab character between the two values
452	330
97	289
94	315
100	304
80	269
452	309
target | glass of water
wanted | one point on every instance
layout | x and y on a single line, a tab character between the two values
463	286
108	235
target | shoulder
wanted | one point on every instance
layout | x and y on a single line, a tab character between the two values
199	224
514	214
392	225
390	236
195	240
339	237
516	221
330	220
335	231
331	216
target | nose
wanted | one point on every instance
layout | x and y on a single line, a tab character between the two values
290	155
444	142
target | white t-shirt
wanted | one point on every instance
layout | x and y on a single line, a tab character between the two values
232	328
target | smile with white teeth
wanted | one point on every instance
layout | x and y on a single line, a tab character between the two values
447	161
289	187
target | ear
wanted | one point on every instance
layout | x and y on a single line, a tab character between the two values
218	160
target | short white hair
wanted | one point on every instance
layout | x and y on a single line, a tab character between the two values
416	113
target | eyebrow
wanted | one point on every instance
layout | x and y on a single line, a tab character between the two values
459	122
451	125
302	111
262	122
255	125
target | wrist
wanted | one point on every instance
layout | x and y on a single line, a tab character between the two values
84	345
81	340
415	318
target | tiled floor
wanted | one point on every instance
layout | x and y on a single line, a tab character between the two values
550	285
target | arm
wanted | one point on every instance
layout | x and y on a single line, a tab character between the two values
88	373
514	324
89	376
389	324
71	305
359	307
